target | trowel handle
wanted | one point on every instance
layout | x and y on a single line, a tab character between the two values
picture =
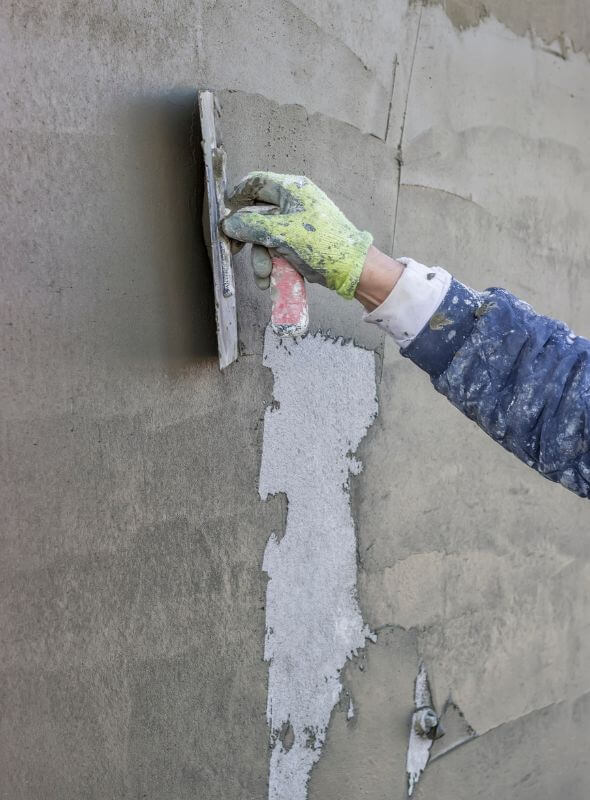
290	314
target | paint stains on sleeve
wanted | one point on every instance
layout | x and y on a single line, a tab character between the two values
439	321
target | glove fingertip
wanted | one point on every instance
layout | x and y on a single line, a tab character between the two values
261	261
248	226
227	227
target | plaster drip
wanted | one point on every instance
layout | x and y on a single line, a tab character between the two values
324	401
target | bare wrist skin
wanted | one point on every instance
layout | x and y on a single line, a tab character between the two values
378	278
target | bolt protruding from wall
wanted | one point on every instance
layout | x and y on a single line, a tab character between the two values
424	729
427	723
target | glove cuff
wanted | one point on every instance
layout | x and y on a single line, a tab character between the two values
358	255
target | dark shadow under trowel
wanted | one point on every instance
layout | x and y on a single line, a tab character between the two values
167	142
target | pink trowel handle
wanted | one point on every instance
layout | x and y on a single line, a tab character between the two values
290	315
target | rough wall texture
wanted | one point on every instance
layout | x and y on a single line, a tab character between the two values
132	594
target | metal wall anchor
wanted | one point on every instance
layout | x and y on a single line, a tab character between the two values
427	723
424	729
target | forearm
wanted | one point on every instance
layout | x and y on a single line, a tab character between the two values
401	295
524	378
378	278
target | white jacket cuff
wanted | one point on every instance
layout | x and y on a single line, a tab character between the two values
412	302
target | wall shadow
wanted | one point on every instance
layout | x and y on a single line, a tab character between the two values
166	147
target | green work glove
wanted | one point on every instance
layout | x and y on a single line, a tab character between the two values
305	227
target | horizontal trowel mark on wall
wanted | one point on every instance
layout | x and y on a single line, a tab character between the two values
549	20
324	392
279	52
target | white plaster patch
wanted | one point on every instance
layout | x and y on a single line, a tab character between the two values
324	393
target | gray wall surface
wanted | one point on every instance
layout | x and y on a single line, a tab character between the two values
132	594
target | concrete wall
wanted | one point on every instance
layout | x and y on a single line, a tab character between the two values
132	595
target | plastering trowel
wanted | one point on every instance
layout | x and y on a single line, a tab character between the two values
289	316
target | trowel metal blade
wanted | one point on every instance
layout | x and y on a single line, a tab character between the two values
219	249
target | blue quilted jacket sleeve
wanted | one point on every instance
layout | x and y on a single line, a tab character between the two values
524	378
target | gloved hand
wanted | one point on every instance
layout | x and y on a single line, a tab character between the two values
306	228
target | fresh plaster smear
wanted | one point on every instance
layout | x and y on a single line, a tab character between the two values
324	391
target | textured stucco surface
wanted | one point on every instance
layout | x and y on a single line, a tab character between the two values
132	595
